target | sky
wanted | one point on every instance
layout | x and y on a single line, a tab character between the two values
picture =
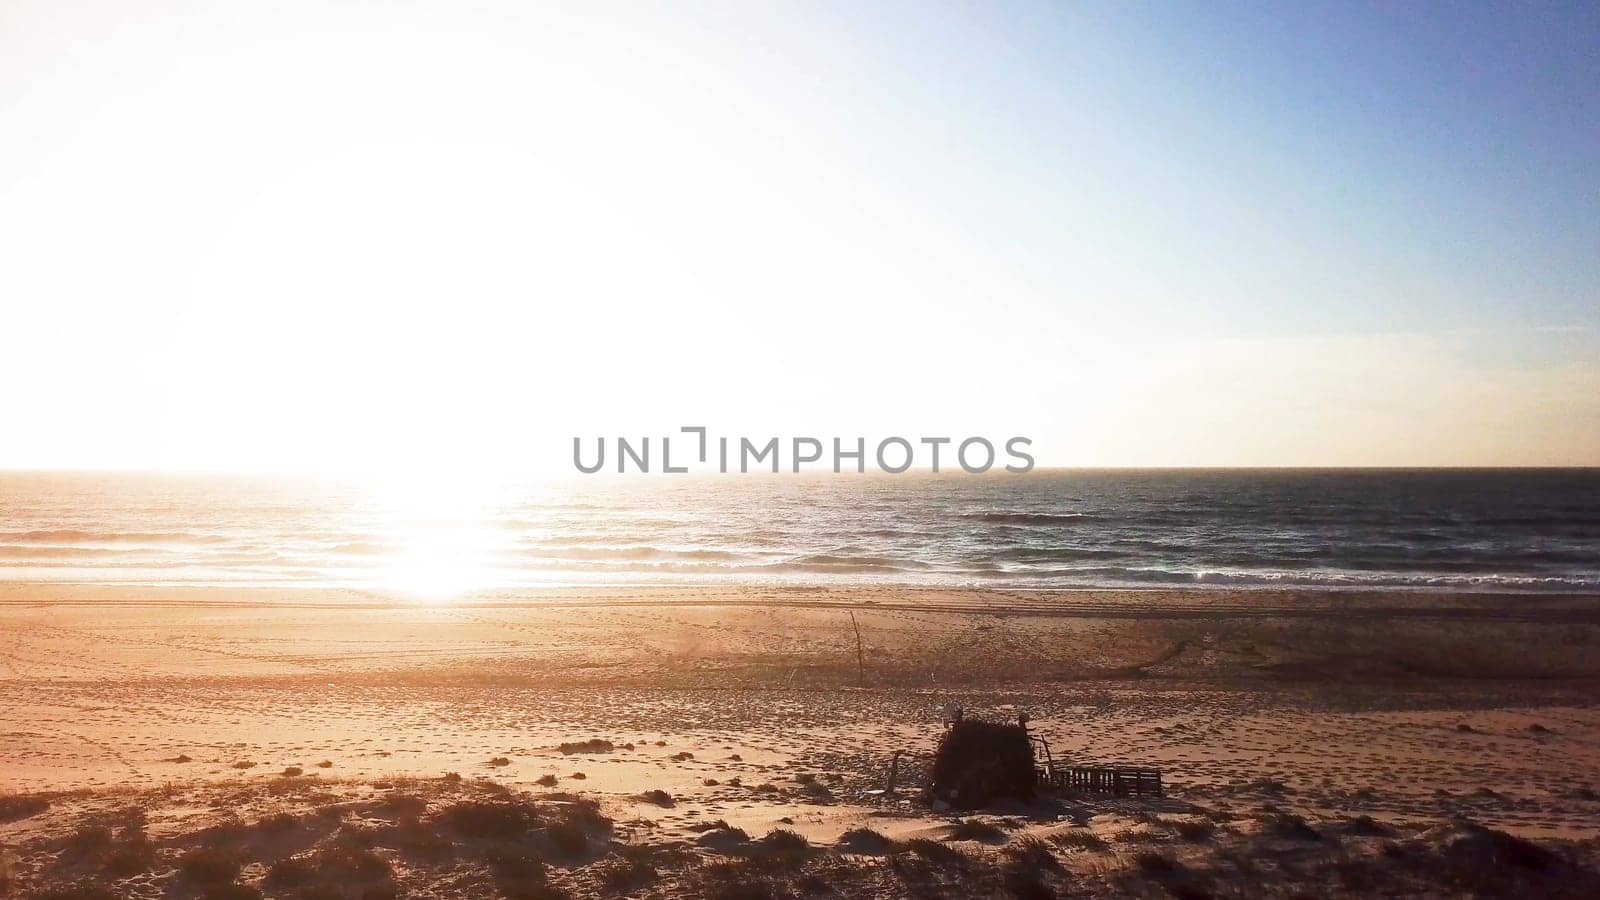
405	236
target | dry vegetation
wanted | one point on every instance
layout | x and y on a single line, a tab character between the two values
443	838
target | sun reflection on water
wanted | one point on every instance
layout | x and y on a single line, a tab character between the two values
442	544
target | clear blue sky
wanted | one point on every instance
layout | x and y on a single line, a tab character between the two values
310	233
1405	164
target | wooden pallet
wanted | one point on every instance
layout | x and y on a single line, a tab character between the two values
1119	781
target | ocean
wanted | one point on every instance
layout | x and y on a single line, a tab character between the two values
1485	530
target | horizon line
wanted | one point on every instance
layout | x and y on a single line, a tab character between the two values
953	471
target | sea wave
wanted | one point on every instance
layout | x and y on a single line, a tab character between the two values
1028	518
41	551
625	553
76	536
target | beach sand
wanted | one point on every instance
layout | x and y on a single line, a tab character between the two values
342	742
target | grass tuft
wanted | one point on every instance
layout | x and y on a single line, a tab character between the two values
1289	826
1033	853
21	806
1079	839
658	797
1367	826
866	841
974	830
490	818
278	823
937	853
784	842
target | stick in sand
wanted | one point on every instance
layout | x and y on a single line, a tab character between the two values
861	666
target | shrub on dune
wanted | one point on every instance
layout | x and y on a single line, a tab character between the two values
1034	853
1157	865
1499	849
866	841
1291	827
289	872
210	865
1027	883
1368	826
513	862
568	837
623	874
1079	838
130	858
719	835
86	840
86	890
21	806
658	797
489	818
936	853
346	863
979	762
784	842
975	830
584	814
278	823
232	891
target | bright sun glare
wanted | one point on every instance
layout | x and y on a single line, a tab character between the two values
441	547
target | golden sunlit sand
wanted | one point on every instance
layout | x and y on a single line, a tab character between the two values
1382	739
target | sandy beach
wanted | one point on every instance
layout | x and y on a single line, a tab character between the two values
1399	731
